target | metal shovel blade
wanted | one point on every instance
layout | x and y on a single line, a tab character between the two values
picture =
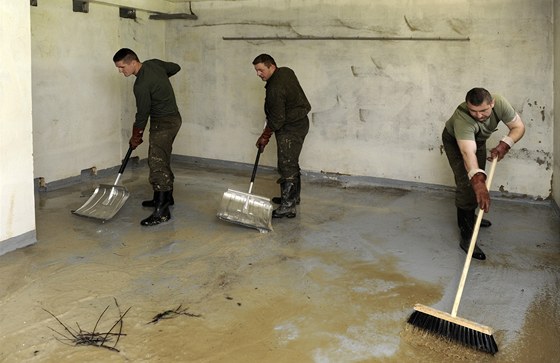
104	203
247	210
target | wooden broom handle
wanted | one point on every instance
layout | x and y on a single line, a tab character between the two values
472	244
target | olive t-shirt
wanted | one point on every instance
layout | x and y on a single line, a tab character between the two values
463	126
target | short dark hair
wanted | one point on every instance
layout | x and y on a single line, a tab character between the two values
477	96
126	55
265	59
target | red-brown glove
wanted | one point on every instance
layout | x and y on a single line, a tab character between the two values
136	138
499	151
478	182
264	138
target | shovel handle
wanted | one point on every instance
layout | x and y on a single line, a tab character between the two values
255	169
123	165
125	160
260	150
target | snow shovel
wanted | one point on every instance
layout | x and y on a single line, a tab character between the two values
107	199
247	209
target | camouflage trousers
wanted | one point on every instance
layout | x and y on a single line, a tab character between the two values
289	141
464	193
163	131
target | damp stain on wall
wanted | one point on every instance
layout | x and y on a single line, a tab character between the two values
418	24
541	157
541	108
460	26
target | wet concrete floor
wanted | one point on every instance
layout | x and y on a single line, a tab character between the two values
335	284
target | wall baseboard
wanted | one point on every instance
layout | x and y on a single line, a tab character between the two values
349	181
344	180
23	240
555	207
85	175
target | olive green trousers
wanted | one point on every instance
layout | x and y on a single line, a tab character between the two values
464	193
289	141
163	131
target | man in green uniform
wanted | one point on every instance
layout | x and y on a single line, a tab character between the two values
155	100
286	108
464	140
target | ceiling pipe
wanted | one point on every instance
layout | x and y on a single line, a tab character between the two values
151	6
441	39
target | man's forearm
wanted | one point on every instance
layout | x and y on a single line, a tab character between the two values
468	151
471	165
516	129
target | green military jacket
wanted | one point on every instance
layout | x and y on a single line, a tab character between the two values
285	101
153	91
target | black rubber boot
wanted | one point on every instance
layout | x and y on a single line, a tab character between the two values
288	206
161	213
298	188
465	220
151	204
485	223
278	200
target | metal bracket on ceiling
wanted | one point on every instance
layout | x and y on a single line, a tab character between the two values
127	13
79	6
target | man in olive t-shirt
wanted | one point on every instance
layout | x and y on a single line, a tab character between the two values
464	140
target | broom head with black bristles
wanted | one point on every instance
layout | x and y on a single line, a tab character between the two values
454	328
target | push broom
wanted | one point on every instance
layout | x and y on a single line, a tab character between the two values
451	326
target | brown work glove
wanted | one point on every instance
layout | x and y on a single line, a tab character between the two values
136	138
478	182
499	151
264	138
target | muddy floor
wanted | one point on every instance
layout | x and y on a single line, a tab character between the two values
335	284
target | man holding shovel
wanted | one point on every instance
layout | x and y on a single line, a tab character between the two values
155	100
286	108
464	140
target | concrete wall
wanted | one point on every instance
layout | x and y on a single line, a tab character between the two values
556	146
17	208
378	106
65	107
82	107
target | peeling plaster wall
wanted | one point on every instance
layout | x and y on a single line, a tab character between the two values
556	146
378	106
17	207
83	108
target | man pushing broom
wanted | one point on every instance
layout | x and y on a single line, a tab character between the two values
464	140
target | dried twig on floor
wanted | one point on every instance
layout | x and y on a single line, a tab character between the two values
95	338
169	314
